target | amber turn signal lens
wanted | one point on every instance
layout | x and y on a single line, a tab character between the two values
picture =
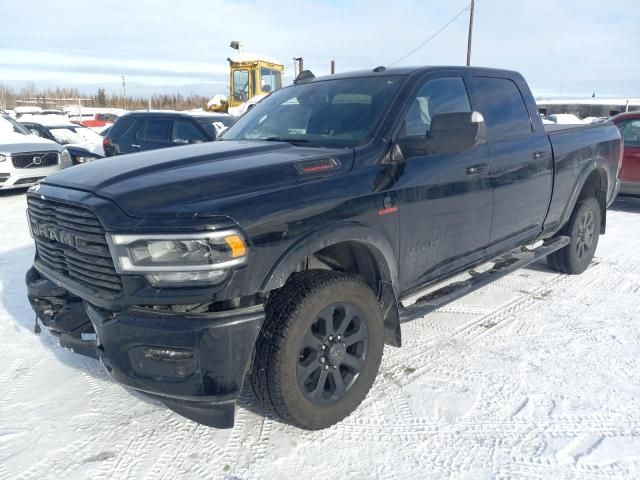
238	248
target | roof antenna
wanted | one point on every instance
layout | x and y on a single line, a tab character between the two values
381	68
304	76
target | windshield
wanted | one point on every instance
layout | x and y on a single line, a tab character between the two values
66	135
332	113
8	124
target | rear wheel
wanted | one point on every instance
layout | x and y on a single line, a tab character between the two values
319	350
583	230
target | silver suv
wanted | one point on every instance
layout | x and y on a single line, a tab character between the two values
26	159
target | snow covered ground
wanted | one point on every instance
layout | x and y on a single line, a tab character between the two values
535	376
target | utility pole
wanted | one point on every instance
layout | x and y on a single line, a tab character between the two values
124	92
473	4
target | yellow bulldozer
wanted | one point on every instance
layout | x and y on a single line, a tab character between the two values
252	77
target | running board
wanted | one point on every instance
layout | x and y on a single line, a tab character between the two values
502	266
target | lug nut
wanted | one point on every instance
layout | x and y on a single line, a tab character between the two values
335	366
339	338
322	359
324	347
326	367
331	338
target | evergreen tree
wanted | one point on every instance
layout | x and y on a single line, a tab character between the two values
101	98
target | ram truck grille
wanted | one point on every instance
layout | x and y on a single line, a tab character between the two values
34	160
70	240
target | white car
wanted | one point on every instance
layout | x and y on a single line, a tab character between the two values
61	130
565	119
26	159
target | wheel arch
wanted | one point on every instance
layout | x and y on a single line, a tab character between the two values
352	248
593	182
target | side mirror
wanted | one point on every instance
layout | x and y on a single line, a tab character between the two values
449	133
34	132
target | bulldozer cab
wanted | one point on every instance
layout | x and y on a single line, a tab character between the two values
252	75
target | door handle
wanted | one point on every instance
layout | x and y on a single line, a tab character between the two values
539	155
480	168
133	145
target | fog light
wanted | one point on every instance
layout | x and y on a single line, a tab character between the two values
167	354
162	363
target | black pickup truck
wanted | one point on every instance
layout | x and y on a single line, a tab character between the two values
285	252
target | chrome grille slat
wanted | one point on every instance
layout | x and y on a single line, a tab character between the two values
93	265
26	160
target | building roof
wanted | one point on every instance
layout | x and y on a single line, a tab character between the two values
632	102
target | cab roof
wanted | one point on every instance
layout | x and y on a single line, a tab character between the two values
405	71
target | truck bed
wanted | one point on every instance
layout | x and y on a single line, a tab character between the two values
549	128
575	149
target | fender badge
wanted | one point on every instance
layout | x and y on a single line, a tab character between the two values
386	211
317	166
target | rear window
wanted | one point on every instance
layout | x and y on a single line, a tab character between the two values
503	107
216	125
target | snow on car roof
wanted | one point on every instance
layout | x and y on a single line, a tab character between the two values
48	120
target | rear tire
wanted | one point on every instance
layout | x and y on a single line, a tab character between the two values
583	230
319	350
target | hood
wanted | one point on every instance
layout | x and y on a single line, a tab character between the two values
11	142
96	148
174	180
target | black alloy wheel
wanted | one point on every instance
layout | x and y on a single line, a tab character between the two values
332	353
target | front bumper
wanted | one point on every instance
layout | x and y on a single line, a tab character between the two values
194	363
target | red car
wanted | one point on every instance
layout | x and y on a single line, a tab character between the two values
629	125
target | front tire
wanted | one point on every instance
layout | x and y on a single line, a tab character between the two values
319	350
584	232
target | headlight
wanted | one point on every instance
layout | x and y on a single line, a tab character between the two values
65	158
166	259
2	158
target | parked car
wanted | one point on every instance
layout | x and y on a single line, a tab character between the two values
26	159
80	155
545	120
629	125
289	249
59	129
565	119
149	130
594	119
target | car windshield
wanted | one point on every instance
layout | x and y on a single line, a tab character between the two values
331	113
65	135
8	124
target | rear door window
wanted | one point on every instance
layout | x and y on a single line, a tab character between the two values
501	103
155	130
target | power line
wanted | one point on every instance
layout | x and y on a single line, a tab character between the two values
431	37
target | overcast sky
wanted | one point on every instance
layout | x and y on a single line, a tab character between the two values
581	46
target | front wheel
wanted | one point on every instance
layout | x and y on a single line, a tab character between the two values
319	350
584	231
